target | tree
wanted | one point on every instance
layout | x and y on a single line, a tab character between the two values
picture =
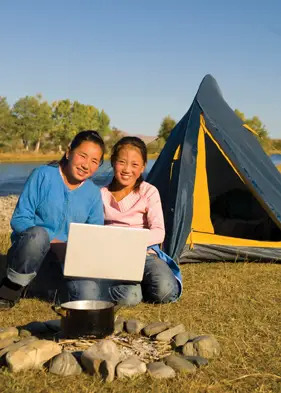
84	117
33	119
113	138
6	120
256	125
71	118
62	131
276	144
104	121
166	127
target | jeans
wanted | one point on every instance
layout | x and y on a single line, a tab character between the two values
32	247
158	285
28	252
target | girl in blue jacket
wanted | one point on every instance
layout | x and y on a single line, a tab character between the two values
54	196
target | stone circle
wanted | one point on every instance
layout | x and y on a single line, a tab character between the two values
160	349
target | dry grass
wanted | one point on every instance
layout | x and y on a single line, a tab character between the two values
238	303
28	157
7	206
43	157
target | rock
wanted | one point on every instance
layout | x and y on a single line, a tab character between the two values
167	335
53	324
130	367
197	360
119	325
24	333
133	326
32	355
206	346
17	345
155	328
181	338
188	349
6	342
8	333
102	359
65	364
179	363
160	370
36	328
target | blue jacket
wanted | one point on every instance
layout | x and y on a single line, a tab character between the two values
47	202
172	265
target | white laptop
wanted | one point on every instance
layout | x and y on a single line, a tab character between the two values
107	252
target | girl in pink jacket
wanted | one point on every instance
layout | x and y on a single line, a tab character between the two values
130	201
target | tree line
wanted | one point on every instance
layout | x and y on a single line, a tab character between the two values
268	144
33	124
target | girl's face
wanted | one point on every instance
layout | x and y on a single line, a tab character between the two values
128	166
83	161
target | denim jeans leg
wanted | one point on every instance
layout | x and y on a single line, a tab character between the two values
107	290
83	289
159	284
125	293
27	254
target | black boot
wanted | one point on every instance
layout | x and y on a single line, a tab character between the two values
10	294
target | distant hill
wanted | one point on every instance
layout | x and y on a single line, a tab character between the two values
146	138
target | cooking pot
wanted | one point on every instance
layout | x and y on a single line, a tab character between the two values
82	318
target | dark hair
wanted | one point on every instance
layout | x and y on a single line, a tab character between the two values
88	135
130	141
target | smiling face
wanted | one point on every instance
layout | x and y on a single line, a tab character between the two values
83	161
128	166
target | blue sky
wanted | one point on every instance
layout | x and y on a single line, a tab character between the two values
142	60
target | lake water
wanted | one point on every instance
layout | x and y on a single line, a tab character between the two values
14	175
276	158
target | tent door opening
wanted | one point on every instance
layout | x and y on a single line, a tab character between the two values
234	210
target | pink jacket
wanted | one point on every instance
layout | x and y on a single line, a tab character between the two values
141	209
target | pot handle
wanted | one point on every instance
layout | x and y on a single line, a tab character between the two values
58	310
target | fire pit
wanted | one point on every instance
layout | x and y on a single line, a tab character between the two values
134	348
146	349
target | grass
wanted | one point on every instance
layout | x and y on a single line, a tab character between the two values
237	302
28	157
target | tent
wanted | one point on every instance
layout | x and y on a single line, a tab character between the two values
220	192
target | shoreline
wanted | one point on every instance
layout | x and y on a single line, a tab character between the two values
42	157
28	157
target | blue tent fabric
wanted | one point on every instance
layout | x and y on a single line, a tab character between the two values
176	193
240	145
175	178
